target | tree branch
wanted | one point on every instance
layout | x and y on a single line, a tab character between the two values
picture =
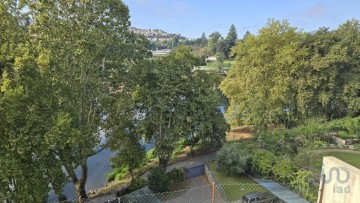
97	152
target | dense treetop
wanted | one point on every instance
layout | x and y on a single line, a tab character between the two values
283	75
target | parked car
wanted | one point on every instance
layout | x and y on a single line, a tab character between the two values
258	197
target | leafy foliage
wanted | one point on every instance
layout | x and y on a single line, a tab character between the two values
263	162
283	169
158	180
137	183
54	86
174	103
112	176
232	159
283	76
176	175
301	183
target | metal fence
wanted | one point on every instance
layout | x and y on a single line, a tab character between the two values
206	194
210	193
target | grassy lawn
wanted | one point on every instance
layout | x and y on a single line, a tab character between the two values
235	187
207	67
348	157
228	63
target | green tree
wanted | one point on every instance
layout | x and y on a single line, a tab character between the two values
341	94
247	33
72	58
84	63
161	96
232	36
259	84
214	39
203	39
310	78
171	106
224	46
129	152
29	169
206	122
123	137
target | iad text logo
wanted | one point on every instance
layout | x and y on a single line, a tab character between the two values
339	179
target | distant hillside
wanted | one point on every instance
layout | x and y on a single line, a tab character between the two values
160	39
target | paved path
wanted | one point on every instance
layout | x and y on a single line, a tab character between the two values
280	191
190	162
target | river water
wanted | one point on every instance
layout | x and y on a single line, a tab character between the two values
98	166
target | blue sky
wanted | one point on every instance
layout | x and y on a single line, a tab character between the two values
192	17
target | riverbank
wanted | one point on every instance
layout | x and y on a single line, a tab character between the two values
113	186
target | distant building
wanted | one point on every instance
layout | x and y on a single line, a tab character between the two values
211	59
199	68
161	52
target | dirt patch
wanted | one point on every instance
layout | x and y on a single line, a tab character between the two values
239	132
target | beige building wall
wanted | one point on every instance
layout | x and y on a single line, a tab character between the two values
341	183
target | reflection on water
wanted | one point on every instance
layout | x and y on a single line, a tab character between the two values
98	166
222	109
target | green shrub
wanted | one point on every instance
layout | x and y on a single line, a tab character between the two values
345	135
112	176
137	183
284	169
150	155
304	158
232	159
301	182
279	142
317	144
120	176
263	161
158	180
177	175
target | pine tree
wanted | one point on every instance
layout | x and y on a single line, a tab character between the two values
232	36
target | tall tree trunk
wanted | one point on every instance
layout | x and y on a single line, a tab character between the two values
192	149
163	162
131	174
80	184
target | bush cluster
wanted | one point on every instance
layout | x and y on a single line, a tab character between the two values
137	183
232	159
176	176
159	180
